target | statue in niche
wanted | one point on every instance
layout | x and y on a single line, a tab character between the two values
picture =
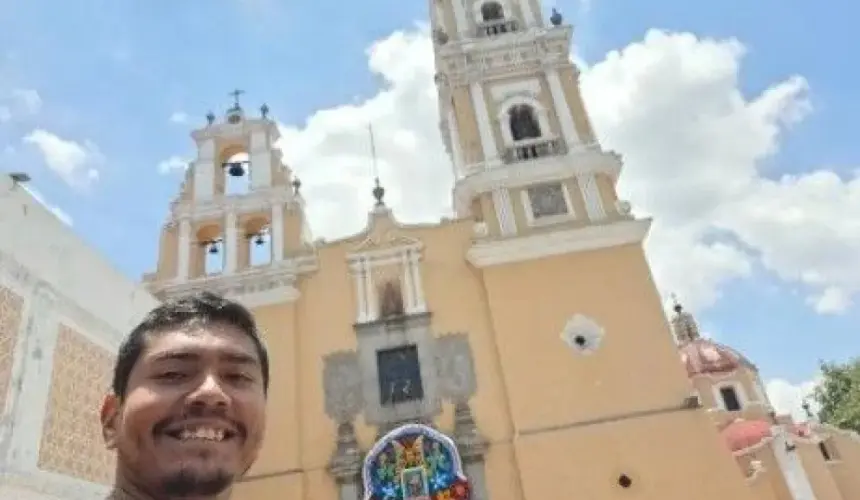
391	305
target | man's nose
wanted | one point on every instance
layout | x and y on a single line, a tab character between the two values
209	393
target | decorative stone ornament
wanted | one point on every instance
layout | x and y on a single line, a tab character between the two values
414	462
582	334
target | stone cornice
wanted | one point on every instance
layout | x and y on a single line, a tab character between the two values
220	205
476	60
517	249
253	287
584	159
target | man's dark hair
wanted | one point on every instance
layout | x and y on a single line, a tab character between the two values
204	308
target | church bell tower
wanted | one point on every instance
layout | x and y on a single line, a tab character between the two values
237	226
512	118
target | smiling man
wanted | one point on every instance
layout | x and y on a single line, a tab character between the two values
186	416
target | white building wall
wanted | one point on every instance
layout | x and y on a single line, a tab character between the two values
61	279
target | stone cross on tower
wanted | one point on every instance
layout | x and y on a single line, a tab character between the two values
235	94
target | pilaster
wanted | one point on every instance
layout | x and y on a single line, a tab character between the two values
184	250
231	243
277	232
563	109
31	390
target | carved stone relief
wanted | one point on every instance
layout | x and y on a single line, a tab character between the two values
455	367
342	383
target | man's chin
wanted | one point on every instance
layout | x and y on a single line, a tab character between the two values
203	481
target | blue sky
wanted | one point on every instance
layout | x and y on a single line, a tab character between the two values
113	72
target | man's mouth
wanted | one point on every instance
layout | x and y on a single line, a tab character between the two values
191	432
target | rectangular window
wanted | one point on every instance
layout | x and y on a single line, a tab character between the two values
730	398
399	375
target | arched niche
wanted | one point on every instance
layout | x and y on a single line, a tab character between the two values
512	103
209	250
258	238
233	155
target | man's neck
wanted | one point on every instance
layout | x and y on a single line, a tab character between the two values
119	493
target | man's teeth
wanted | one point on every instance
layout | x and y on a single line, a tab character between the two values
208	434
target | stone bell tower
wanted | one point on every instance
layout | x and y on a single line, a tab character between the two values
512	118
238	223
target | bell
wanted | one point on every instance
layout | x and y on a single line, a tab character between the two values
235	169
260	241
213	249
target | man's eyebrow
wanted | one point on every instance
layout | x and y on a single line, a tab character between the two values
174	356
234	357
239	358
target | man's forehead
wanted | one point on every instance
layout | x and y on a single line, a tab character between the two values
215	338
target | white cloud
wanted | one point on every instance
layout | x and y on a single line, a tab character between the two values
19	102
58	212
692	143
179	117
788	398
29	99
73	161
171	164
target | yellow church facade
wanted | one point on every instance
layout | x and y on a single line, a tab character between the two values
528	328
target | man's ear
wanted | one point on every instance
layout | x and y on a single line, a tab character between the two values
109	415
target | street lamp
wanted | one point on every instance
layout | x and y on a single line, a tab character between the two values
19	177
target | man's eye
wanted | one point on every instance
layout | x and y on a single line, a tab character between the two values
240	377
170	376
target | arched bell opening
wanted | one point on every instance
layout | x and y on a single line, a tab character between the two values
492	11
235	171
211	252
523	122
258	234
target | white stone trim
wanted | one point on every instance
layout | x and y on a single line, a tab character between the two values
485	128
570	214
460	19
591	196
456	146
791	465
529	17
28	414
528	86
361	265
231	243
504	212
562	107
484	178
204	171
740	392
489	253
184	250
539	110
280	277
218	206
277	226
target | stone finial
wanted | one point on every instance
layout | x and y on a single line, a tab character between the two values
378	193
684	325
345	463
470	442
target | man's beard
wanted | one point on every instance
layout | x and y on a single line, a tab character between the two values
187	482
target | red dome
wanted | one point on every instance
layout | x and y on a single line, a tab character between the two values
705	357
742	434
